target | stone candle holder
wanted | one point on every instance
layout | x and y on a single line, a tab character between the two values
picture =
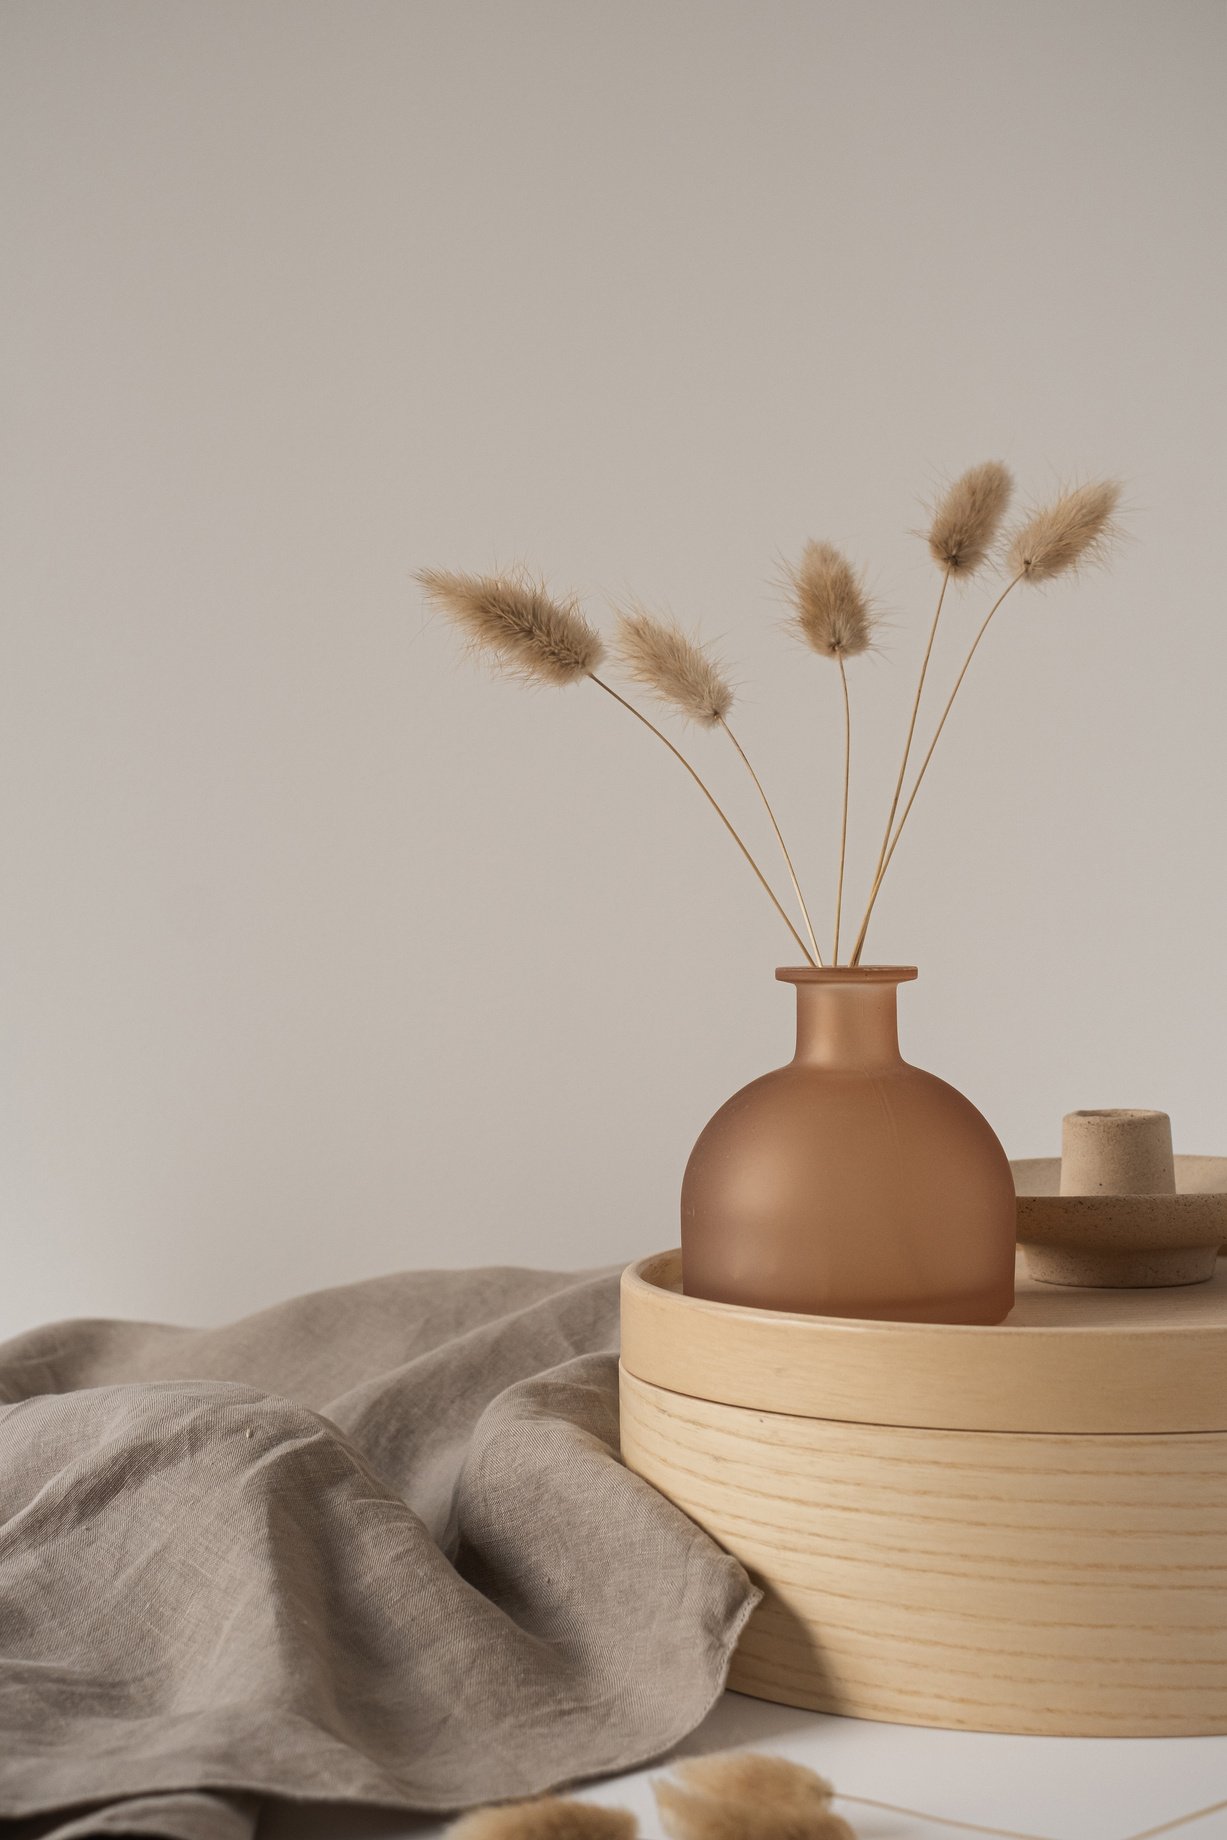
1117	1210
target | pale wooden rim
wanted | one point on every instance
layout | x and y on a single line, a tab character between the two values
1159	1367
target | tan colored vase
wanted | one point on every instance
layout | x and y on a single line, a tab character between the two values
849	1183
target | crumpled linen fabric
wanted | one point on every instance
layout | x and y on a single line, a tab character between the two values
373	1546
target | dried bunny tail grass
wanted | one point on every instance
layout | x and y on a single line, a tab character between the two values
750	1776
548	1819
1078	529
546	641
968	517
675	668
748	1798
963	531
1074	531
681	672
704	1817
535	637
832	612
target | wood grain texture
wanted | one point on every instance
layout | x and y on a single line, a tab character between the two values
990	1581
1078	1361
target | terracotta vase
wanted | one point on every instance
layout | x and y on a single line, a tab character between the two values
849	1183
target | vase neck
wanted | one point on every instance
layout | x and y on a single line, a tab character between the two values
849	1022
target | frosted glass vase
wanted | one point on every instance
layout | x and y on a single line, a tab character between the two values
850	1183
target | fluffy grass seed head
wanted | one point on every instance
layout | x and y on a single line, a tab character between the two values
547	1819
748	1797
831	610
968	516
677	669
1078	528
532	635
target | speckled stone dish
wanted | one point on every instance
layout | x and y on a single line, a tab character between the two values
1122	1241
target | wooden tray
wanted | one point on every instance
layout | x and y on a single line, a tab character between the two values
1020	1529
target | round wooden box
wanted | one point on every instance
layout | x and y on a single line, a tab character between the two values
1019	1529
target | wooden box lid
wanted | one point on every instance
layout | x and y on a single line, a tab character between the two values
1064	1361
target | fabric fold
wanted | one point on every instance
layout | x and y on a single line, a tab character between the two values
373	1546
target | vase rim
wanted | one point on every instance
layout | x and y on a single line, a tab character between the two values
846	974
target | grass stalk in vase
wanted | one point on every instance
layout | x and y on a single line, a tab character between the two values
833	615
843	822
779	837
542	640
961	535
682	673
1064	536
924	768
712	801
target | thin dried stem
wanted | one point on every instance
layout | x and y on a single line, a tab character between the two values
967	1827
712	801
880	877
843	829
907	746
779	836
1182	1820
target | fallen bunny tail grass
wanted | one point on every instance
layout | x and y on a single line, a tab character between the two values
661	658
731	1797
685	1816
751	1776
532	635
547	1819
747	1795
748	1798
831	610
968	517
1077	530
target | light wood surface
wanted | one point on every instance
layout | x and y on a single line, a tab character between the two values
1018	1529
1067	1585
1065	1361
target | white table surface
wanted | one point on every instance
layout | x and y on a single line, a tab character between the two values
1052	1788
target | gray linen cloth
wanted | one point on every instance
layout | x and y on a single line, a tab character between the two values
372	1546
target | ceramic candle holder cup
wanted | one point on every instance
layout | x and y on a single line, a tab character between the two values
1118	1210
1117	1153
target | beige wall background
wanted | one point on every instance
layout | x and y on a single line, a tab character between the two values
322	953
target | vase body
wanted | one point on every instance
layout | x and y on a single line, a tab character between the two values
849	1183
